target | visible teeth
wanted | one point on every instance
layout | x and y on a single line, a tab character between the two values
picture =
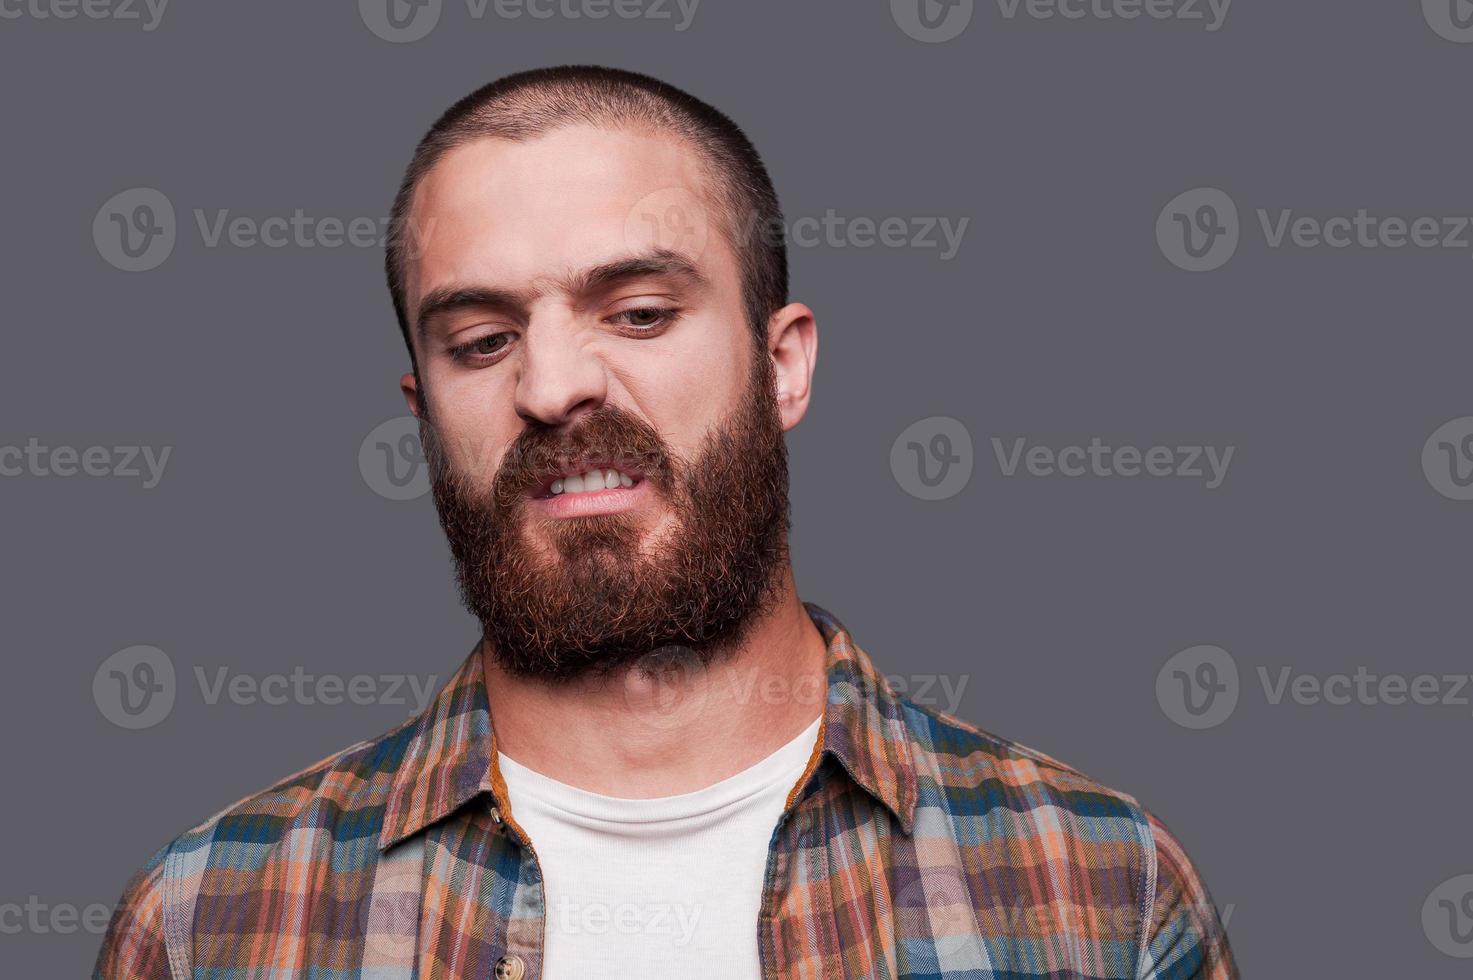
594	479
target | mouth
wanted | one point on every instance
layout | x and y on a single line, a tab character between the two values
588	477
590	489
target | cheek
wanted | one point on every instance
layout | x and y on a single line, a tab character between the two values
696	390
473	428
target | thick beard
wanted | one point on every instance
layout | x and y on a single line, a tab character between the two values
605	600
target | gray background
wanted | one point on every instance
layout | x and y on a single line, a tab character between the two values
1056	601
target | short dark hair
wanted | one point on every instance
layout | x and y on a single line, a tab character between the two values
528	104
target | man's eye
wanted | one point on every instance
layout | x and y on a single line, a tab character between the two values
480	348
647	317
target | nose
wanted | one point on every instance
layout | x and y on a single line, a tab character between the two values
561	379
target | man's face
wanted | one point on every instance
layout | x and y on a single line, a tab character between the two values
574	310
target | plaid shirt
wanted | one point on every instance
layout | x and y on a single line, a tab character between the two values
913	846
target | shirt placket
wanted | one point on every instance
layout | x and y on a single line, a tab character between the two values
484	913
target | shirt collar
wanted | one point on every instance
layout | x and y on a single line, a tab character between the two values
448	759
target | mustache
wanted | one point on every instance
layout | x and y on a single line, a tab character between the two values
609	436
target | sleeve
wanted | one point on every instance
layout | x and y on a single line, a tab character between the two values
1184	937
133	947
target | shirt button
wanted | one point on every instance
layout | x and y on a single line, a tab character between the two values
510	967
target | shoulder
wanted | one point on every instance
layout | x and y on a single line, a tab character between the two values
1035	832
962	767
343	795
134	944
351	784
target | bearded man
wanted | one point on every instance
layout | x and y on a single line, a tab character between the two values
657	761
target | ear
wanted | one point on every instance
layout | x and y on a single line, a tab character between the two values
792	341
409	385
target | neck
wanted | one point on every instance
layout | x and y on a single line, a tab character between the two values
635	735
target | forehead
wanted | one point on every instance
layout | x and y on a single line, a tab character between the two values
503	212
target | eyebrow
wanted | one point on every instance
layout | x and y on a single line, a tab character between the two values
662	263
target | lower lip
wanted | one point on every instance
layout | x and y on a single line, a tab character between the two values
608	501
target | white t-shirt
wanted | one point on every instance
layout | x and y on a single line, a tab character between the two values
665	887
